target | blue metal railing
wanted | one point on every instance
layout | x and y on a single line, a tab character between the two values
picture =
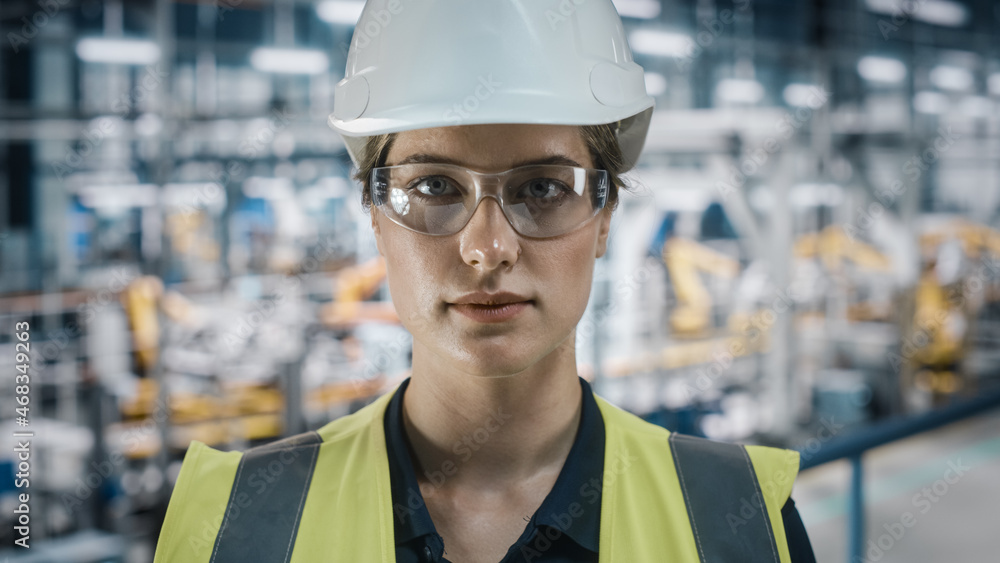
852	446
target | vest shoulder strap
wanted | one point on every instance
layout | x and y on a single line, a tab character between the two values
197	504
265	502
731	517
249	506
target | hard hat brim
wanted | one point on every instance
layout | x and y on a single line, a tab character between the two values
527	108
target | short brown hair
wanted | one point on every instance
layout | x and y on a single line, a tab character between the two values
601	140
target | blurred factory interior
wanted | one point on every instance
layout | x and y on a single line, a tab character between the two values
809	256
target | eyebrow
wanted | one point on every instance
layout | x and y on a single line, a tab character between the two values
424	158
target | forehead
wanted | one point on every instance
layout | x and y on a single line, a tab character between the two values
492	147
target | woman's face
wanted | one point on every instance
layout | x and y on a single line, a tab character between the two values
428	274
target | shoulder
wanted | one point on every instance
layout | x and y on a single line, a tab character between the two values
203	463
197	503
203	496
205	467
210	483
775	469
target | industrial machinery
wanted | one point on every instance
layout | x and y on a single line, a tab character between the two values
958	282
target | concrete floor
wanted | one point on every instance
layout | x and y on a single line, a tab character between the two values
913	513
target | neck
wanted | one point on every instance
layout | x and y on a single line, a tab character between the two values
491	432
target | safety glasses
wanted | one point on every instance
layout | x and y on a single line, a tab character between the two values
539	201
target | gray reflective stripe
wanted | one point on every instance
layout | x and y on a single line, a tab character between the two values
724	503
266	500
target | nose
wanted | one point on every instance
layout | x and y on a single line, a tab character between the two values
488	240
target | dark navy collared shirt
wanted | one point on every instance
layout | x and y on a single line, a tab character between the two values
564	529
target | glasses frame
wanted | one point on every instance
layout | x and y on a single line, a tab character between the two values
489	185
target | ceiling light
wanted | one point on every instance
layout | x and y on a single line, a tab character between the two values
739	91
804	95
810	195
951	78
661	43
289	61
942	12
642	9
340	11
881	69
188	195
937	12
120	196
117	51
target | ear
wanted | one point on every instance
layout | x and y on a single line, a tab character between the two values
602	235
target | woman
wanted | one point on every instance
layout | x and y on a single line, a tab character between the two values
489	138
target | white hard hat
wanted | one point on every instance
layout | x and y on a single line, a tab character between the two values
431	63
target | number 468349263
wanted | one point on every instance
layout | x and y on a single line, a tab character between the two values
22	363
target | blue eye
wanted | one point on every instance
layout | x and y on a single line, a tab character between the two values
433	186
543	188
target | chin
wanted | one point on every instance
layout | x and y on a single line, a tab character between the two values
502	357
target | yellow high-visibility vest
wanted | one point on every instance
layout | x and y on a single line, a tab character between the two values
325	496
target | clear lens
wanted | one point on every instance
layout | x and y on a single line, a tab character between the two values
539	200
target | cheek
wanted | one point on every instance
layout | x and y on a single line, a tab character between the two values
413	276
567	273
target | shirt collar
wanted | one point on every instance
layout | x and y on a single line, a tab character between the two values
410	517
573	505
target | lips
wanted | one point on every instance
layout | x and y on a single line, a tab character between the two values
495	307
491	313
483	298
